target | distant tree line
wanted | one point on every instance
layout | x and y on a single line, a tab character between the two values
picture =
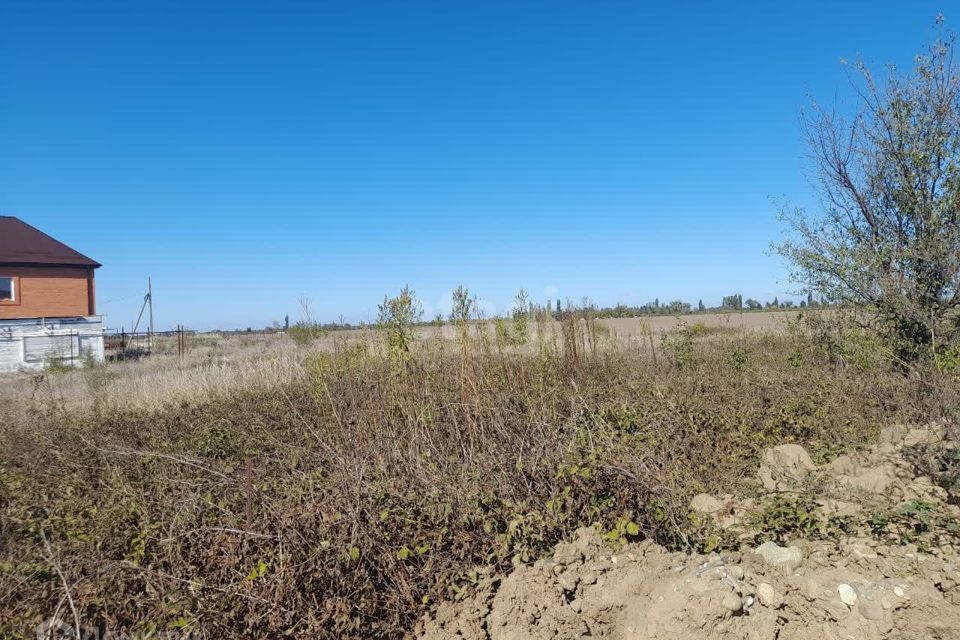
733	302
555	308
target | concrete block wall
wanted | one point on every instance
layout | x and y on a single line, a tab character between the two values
32	344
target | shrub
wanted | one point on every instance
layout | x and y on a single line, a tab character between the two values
303	333
396	320
886	240
348	500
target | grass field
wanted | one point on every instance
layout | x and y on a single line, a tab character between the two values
215	364
341	488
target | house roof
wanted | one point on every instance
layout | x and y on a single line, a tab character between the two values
22	244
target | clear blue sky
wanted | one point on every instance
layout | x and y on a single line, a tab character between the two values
244	155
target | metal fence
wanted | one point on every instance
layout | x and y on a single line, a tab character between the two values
123	345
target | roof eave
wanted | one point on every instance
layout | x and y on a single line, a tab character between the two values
71	265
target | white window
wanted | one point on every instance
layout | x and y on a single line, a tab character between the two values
7	294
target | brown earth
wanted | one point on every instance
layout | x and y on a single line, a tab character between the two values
856	586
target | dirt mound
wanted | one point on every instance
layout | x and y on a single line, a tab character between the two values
854	586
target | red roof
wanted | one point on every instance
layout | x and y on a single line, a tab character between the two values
22	244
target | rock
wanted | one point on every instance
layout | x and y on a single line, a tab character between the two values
775	555
724	510
589	577
706	504
573	552
929	435
811	589
950	579
862	549
836	610
768	596
732	602
922	488
848	595
886	450
871	610
873	482
568	580
785	468
735	572
842	465
893	434
832	507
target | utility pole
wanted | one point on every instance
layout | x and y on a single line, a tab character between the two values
150	299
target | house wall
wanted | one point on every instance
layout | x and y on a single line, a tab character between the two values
49	292
33	344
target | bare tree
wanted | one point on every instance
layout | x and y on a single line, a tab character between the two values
885	237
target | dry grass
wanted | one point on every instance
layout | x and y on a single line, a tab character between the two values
215	365
341	490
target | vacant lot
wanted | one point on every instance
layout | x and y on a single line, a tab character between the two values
344	487
215	365
765	321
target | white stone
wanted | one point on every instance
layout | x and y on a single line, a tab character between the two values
768	596
848	595
774	554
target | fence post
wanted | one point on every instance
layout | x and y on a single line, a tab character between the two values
248	491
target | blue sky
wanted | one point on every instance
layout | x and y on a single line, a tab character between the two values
245	155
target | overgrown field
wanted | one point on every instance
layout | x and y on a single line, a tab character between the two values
364	483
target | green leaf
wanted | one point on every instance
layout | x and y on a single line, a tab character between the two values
182	623
258	571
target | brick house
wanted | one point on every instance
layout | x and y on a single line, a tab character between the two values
47	300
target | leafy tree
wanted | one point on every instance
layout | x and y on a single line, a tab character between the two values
521	312
678	306
462	306
700	306
753	304
396	319
734	301
886	237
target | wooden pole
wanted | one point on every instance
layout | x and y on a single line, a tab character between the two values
150	298
248	491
